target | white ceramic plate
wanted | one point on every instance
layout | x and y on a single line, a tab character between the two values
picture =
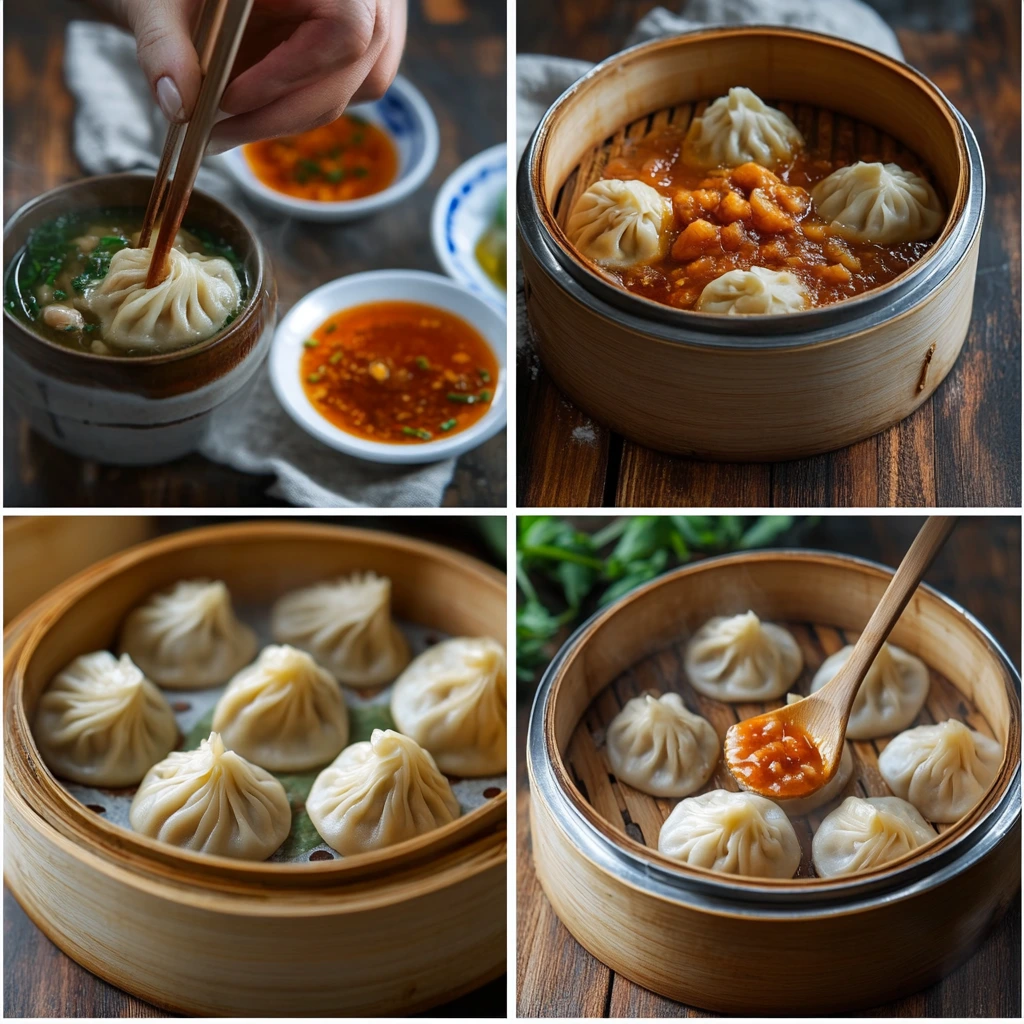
379	286
463	210
409	122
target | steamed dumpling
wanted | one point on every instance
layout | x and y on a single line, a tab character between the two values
188	637
752	292
283	712
740	658
620	223
347	626
735	833
379	793
101	722
660	747
190	305
799	805
452	701
212	800
741	128
880	203
891	696
861	834
943	770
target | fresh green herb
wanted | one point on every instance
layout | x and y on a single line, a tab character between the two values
336	357
484	376
330	329
422	362
423	435
564	573
311	343
485	396
335	175
447	425
315	378
59	294
455	396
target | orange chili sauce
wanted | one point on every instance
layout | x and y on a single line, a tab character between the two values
346	159
774	759
399	372
830	267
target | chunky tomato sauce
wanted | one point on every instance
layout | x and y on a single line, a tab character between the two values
399	372
346	159
774	759
737	218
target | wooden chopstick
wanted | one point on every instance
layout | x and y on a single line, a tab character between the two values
228	21
203	34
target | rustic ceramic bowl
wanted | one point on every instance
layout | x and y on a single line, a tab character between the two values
135	410
389	932
754	387
759	946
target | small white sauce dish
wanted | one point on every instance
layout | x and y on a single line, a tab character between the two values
463	210
384	286
405	116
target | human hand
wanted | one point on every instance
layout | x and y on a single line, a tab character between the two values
300	64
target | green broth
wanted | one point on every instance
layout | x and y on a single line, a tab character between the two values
65	256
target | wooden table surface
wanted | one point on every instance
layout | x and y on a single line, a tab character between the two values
455	55
41	981
556	977
962	448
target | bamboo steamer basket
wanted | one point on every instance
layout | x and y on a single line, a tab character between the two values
747	387
394	931
759	946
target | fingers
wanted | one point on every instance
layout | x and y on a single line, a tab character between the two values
313	51
164	43
383	72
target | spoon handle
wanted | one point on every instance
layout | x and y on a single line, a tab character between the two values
926	545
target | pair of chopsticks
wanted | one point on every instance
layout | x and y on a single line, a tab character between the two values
216	35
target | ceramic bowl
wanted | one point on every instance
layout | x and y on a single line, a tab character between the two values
405	116
463	210
135	410
383	286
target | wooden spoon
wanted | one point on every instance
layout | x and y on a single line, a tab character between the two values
823	716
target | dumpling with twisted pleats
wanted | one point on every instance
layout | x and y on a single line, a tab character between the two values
620	223
861	834
378	793
212	800
283	712
943	770
347	626
741	658
188	636
659	746
734	833
754	292
452	701
101	722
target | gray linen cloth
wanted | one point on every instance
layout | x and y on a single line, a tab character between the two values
119	128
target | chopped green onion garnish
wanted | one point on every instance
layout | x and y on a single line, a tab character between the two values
423	362
455	396
485	396
330	328
311	343
336	357
484	376
59	294
448	424
423	435
335	175
314	378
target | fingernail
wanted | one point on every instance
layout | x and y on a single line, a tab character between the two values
169	98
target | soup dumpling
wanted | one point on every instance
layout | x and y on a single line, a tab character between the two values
879	203
660	747
620	223
757	291
189	305
734	833
891	696
378	793
101	722
740	658
452	701
347	626
741	128
283	712
943	770
187	637
212	800
861	834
